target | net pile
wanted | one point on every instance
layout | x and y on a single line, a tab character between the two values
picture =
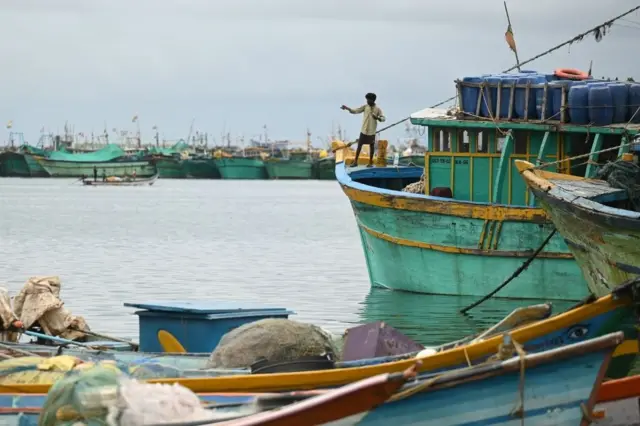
623	175
415	187
275	339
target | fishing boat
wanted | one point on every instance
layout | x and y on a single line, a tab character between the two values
470	222
611	313
324	168
111	160
599	222
619	402
117	181
562	386
236	167
289	168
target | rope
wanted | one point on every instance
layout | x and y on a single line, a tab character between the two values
533	58
518	271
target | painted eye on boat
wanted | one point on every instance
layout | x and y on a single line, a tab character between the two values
577	332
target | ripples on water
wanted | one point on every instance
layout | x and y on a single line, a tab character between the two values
278	243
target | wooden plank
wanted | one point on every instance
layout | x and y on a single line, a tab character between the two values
593	158
503	168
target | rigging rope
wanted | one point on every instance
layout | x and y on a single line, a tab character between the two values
597	30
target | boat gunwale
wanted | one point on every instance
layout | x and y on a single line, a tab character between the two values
366	194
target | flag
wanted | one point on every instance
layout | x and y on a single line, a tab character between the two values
508	36
134	119
10	124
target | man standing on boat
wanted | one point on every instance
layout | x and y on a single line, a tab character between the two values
372	114
95	173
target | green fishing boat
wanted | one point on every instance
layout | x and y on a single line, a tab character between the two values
13	164
289	168
241	167
170	167
325	168
201	167
111	160
466	221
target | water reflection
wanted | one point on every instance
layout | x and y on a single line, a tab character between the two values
432	319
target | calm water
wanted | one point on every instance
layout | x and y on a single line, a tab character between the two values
285	244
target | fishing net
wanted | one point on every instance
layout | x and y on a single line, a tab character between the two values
274	339
103	394
36	370
415	187
623	175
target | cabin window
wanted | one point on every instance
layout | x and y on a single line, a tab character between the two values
520	140
463	141
442	140
481	144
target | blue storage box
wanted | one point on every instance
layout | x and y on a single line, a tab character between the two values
197	326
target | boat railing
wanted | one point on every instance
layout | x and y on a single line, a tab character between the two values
506	93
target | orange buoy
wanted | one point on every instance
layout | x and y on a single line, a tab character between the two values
571	74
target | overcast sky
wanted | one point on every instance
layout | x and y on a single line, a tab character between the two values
288	64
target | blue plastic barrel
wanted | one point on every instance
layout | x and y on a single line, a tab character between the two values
600	105
488	103
505	96
578	101
634	103
539	97
470	95
620	95
520	98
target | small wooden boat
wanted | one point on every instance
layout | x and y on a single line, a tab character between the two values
596	221
117	181
558	386
590	319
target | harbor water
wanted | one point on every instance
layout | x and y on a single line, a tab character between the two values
279	243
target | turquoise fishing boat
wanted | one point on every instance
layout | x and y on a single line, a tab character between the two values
600	223
111	160
471	222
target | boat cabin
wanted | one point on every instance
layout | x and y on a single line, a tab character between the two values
472	149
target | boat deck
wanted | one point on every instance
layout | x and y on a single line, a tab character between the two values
591	189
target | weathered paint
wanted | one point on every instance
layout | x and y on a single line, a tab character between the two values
434	245
604	240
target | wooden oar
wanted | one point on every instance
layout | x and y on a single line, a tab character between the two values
58	339
104	336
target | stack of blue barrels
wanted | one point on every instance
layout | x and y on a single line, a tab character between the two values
593	102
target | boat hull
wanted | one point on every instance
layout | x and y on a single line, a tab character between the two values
170	168
201	168
412	160
433	245
289	169
35	169
241	168
325	169
13	164
78	169
135	182
606	251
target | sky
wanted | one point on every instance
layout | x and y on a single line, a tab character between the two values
237	65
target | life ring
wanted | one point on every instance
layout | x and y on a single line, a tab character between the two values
571	74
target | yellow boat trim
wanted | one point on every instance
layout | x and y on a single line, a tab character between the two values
461	250
328	378
628	347
448	208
